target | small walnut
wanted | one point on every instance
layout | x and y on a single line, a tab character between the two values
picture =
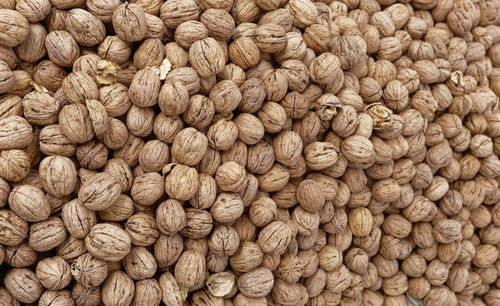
273	117
200	112
153	156
92	155
219	23
244	52
276	84
360	221
78	219
145	88
261	157
330	258
274	179
198	223
486	254
173	98
108	242
62	48
82	295
79	22
147	292
325	69
172	294
7	82
150	53
226	96
75	123
310	196
250	128
207	57
223	241
14	229
206	193
139	264
262	211
222	134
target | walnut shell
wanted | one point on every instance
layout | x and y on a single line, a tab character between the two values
100	192
15	133
15	28
108	242
30	203
23	285
256	283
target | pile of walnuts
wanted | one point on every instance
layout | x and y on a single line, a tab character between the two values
249	152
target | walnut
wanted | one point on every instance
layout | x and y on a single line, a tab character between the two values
58	175
275	237
256	283
129	22
181	182
145	88
190	261
244	52
139	264
53	273
108	242
13	227
142	229
16	28
89	271
100	192
170	217
223	241
118	289
274	179
200	112
23	285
